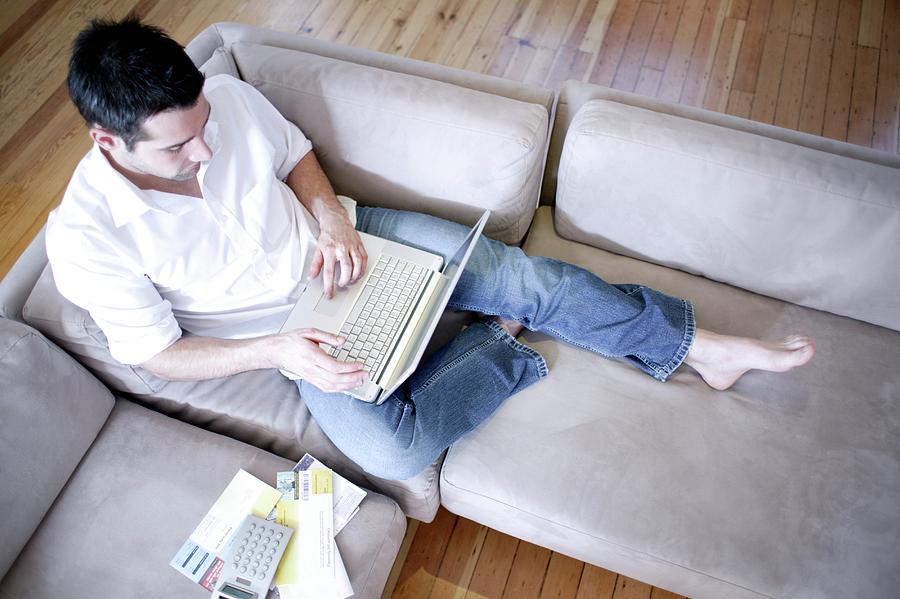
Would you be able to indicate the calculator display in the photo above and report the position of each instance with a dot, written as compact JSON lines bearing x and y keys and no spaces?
{"x":232,"y":592}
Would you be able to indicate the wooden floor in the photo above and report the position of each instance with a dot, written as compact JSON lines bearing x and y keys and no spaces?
{"x":828,"y":67}
{"x":455,"y":558}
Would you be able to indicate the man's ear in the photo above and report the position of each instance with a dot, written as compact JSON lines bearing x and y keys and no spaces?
{"x":105,"y":138}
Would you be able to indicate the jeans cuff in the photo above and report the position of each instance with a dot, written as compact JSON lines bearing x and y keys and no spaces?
{"x":663,"y":372}
{"x":517,"y":345}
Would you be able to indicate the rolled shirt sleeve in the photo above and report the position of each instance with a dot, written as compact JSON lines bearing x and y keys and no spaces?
{"x":137,"y":321}
{"x":290,"y":143}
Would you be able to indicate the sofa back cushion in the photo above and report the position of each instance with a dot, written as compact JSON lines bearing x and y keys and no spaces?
{"x":402,"y":141}
{"x":51,"y":410}
{"x":790,"y":222}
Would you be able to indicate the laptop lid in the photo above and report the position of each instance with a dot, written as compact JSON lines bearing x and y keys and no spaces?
{"x":451,"y":272}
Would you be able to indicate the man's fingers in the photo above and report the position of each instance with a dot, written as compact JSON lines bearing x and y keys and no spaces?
{"x":316,"y":266}
{"x":323,"y":360}
{"x":320,"y":336}
{"x":359,"y":265}
{"x":327,"y":363}
{"x":333,"y":382}
{"x":346,"y":269}
{"x":328,"y":272}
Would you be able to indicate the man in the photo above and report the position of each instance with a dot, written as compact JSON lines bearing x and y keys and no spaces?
{"x":201,"y":209}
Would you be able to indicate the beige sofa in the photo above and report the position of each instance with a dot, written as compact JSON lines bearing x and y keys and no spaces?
{"x":784,"y":486}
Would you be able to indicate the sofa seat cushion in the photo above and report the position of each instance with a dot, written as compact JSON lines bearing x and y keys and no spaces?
{"x":259,"y":407}
{"x":786,"y":485}
{"x":402,"y":141}
{"x":51,"y":410}
{"x":140,"y":491}
{"x":759,"y":213}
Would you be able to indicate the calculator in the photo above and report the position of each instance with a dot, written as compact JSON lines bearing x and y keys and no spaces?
{"x":251,"y":560}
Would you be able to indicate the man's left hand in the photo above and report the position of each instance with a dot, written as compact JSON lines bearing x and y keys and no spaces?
{"x":340,"y":244}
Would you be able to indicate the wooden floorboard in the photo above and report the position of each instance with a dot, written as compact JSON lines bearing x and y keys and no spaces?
{"x":827,"y":67}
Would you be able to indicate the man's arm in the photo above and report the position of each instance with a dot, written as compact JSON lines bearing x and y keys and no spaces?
{"x":200,"y":358}
{"x":339,"y":243}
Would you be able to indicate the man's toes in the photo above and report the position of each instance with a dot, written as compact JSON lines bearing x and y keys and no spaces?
{"x":795,"y":342}
{"x":807,"y":352}
{"x":799,"y":356}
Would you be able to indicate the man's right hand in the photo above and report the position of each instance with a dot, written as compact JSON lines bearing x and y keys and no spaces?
{"x":298,"y":352}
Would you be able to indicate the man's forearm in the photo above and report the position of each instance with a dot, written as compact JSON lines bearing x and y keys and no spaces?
{"x":200,"y":358}
{"x":312,"y":187}
{"x":297,"y":351}
{"x":338,"y":243}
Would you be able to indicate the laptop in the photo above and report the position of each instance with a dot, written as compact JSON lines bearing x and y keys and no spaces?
{"x":388,"y":316}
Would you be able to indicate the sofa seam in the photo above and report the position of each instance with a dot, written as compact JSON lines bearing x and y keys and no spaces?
{"x":444,"y":480}
{"x":59,"y":351}
{"x":14,"y":344}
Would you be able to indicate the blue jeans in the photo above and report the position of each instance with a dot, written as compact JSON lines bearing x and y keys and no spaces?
{"x":462,"y":384}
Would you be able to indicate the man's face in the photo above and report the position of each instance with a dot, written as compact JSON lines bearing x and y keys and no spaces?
{"x":172,"y":146}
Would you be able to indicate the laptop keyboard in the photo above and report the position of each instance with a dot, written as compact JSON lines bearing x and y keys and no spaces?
{"x":380,"y":313}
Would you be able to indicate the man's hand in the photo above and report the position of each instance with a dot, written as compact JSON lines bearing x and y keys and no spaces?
{"x":199,"y":358}
{"x":339,"y":243}
{"x":298,"y":352}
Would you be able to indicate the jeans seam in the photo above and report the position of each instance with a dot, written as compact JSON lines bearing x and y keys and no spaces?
{"x":456,"y":361}
{"x":687,"y":339}
{"x":543,"y":369}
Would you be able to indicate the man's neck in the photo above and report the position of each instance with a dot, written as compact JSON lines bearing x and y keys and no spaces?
{"x":189,"y":187}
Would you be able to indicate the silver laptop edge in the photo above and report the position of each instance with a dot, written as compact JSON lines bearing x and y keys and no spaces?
{"x":429,"y":324}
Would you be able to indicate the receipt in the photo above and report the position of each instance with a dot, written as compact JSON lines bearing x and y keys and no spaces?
{"x":311,"y":566}
{"x":346,"y":495}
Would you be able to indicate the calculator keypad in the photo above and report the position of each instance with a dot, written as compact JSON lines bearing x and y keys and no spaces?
{"x":254,"y":550}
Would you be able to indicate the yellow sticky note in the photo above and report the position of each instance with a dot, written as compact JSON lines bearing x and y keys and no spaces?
{"x":321,"y":481}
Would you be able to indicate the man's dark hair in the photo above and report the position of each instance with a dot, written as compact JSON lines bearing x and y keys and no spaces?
{"x":122,"y":72}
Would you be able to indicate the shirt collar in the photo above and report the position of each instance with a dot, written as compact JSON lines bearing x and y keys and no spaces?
{"x":126,"y":200}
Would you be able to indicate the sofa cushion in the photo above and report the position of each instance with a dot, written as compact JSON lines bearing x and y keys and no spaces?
{"x":140,"y":491}
{"x":791,"y":222}
{"x":51,"y":410}
{"x":402,"y":141}
{"x":260,"y":407}
{"x":786,"y":485}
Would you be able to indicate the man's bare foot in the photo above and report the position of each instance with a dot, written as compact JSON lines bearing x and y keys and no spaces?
{"x":513,"y":327}
{"x":721,"y":359}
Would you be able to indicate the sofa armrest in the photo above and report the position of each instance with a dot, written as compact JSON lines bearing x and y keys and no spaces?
{"x":16,"y":286}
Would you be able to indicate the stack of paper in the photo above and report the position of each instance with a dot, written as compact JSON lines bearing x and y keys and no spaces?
{"x":317,"y":504}
{"x":198,"y":558}
{"x":310,"y":499}
{"x":347,"y":496}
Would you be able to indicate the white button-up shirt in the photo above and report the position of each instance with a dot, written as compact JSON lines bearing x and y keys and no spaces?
{"x":147,"y":264}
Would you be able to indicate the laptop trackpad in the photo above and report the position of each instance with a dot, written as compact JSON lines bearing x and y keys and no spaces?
{"x":333,"y":306}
